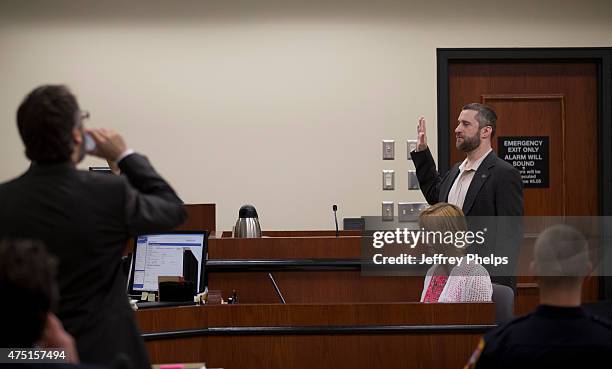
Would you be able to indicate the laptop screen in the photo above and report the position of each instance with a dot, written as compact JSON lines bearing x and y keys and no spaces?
{"x":162,"y":255}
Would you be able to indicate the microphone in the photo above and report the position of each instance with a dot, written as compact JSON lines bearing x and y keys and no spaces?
{"x":278,"y":291}
{"x":335,"y":208}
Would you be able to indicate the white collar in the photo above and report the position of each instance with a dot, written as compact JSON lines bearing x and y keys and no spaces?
{"x":476,"y":164}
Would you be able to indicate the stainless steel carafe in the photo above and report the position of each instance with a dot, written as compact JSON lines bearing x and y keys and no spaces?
{"x":247,"y":225}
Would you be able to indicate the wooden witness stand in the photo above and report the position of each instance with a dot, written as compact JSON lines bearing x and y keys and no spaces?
{"x":334,"y":317}
{"x":375,"y":335}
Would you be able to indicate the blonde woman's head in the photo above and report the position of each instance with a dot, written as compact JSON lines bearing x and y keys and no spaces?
{"x":442,"y":218}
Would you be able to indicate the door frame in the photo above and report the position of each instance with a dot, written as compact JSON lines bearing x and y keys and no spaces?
{"x":602,"y":56}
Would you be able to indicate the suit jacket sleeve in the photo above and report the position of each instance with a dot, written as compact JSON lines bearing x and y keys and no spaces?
{"x":509,"y":193}
{"x":428,"y":176}
{"x":151,"y":205}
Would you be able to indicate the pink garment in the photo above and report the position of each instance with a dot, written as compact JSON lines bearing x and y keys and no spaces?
{"x":466,"y":283}
{"x":434,"y":290}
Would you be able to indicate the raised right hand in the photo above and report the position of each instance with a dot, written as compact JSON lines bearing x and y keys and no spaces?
{"x":422,"y":135}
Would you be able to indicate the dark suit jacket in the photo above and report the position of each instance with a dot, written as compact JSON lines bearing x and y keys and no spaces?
{"x":85,"y":219}
{"x":496,"y":189}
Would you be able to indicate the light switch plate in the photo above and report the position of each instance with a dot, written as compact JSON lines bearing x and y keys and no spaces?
{"x":387,"y":211}
{"x":388,"y":150}
{"x":411,"y":146}
{"x":409,"y":211}
{"x":413,"y":181}
{"x":388,"y":180}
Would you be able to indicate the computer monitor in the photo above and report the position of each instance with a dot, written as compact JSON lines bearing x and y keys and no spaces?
{"x":162,"y":255}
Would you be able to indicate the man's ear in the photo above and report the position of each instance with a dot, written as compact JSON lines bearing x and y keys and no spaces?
{"x":77,"y":137}
{"x":486,"y":132}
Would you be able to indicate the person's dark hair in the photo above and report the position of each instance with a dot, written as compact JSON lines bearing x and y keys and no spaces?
{"x":28,"y":289}
{"x":45,"y":119}
{"x":485,"y":115}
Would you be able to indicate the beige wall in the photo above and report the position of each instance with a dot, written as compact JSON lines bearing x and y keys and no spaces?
{"x":283,"y":106}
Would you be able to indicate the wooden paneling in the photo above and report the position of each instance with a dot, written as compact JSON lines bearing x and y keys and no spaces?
{"x":320,"y":351}
{"x":310,"y":286}
{"x":287,"y":315}
{"x":317,"y":287}
{"x":543,"y":115}
{"x":200,"y":217}
{"x":285,"y":248}
{"x":417,"y":350}
{"x":528,"y":297}
{"x":336,"y":286}
{"x":315,"y":233}
{"x":555,"y":99}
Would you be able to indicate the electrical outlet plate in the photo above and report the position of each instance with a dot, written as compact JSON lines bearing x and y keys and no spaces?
{"x":411,"y":146}
{"x":413,"y":181}
{"x":388,"y":150}
{"x":387,"y":211}
{"x":388,"y":180}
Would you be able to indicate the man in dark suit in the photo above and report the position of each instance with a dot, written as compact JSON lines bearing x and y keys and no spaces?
{"x":483,"y":185}
{"x":85,"y":219}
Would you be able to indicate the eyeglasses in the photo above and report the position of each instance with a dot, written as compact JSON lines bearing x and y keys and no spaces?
{"x":81,"y":115}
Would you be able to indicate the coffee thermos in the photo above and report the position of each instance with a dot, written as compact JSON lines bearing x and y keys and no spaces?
{"x":247,"y":225}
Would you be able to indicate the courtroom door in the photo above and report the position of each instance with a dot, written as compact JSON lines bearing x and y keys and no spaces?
{"x":557,"y":98}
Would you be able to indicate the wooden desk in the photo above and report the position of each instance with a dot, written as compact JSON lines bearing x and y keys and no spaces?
{"x":334,"y":286}
{"x":331,"y":286}
{"x":388,"y":335}
{"x":308,"y":233}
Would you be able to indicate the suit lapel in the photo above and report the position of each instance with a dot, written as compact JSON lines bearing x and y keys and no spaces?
{"x":447,"y":183}
{"x":480,"y":177}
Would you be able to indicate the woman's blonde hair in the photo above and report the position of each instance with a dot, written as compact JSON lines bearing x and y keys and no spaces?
{"x":443,"y":217}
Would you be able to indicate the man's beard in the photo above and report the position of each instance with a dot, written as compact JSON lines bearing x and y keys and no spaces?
{"x":469,"y":143}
